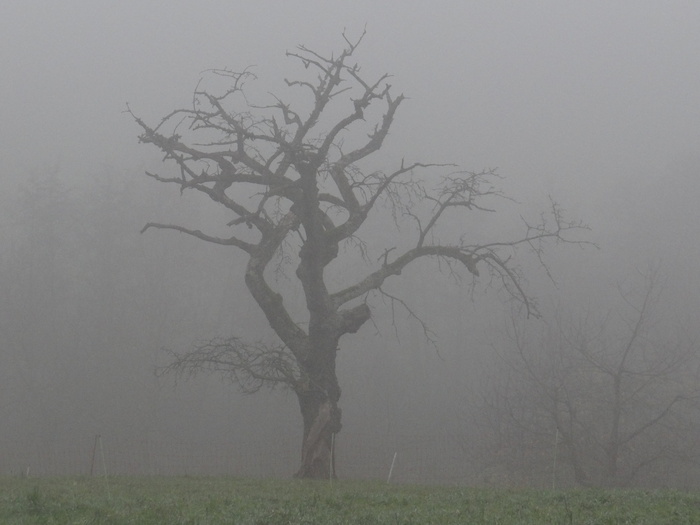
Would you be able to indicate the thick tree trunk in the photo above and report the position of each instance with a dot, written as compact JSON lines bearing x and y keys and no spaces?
{"x":318,"y":401}
{"x":321,"y":422}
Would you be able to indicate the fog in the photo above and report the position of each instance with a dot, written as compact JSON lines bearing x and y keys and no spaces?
{"x":594,"y":104}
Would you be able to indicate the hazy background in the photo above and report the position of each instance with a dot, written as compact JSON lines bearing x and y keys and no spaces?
{"x":594,"y":103}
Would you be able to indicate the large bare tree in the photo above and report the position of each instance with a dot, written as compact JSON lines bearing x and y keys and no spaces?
{"x":294,"y":180}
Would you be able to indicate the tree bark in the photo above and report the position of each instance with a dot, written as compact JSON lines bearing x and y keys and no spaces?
{"x":318,"y":400}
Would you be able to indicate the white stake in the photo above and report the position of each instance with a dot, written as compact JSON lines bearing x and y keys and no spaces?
{"x":391,"y":469}
{"x":104,"y":467}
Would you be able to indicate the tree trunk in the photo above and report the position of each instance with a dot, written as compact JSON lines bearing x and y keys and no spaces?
{"x":318,"y":400}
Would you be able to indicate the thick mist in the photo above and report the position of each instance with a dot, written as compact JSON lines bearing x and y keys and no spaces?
{"x":593,"y":104}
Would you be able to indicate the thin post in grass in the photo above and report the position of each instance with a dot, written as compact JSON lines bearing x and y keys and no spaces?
{"x":331,"y":466}
{"x":554,"y":460}
{"x":391,"y":469}
{"x":94,"y":453}
{"x":104,"y":466}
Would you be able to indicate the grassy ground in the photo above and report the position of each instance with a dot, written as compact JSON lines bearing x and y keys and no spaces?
{"x":224,"y":500}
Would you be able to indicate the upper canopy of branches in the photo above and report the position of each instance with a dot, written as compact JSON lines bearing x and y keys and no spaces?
{"x":277,"y":173}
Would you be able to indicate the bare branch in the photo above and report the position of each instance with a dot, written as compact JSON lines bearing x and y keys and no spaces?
{"x":430,"y":336}
{"x":377,"y":278}
{"x":231,"y":241}
{"x":250,"y":366}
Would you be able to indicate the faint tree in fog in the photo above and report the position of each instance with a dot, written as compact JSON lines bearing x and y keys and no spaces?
{"x":619,"y":392}
{"x":74,"y":279}
{"x":296,"y":185}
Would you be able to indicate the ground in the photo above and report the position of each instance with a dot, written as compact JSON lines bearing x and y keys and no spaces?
{"x":202,"y":501}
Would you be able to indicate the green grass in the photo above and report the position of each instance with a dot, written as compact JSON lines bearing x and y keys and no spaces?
{"x":181,"y":500}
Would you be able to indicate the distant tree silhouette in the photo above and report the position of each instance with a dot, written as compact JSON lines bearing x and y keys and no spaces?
{"x":618,"y":391}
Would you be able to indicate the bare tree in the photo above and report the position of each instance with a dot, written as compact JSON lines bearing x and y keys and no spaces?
{"x":294,"y":180}
{"x":616,"y":394}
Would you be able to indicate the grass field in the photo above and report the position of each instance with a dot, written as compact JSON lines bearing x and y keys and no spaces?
{"x":182,"y":500}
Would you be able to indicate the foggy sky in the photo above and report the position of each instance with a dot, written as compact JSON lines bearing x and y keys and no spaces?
{"x":566,"y":97}
{"x":595,"y":103}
